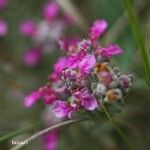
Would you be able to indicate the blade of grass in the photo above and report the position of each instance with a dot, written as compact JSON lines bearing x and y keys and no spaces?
{"x":138,"y":36}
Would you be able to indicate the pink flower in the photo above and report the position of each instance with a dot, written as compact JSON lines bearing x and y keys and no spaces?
{"x":84,"y":62}
{"x":31,"y":99}
{"x":97,"y":29}
{"x":50,"y":140}
{"x":3,"y":4}
{"x":50,"y":11}
{"x":111,"y":50}
{"x":45,"y":93}
{"x":87,"y":63}
{"x":28,"y":28}
{"x":32,"y":57}
{"x":3,"y":28}
{"x":62,"y":109}
{"x":88,"y":101}
{"x":60,"y":65}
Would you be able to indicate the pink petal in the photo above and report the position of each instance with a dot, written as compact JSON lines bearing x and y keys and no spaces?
{"x":28,"y":28}
{"x":31,"y":99}
{"x":87,"y":63}
{"x":89,"y":102}
{"x":97,"y":29}
{"x":32,"y":57}
{"x":61,"y":109}
{"x":50,"y":140}
{"x":3,"y":28}
{"x":50,"y":11}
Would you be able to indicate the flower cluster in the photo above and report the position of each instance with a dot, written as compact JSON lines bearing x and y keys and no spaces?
{"x":84,"y":78}
{"x":3,"y":23}
{"x":45,"y":33}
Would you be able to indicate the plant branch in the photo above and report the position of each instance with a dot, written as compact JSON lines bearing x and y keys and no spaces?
{"x":42,"y":132}
{"x":126,"y":140}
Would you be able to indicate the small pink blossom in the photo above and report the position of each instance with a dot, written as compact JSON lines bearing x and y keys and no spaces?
{"x":31,"y":99}
{"x":97,"y":29}
{"x":60,"y":65}
{"x":50,"y":11}
{"x":62,"y":109}
{"x":28,"y":28}
{"x":3,"y":28}
{"x":88,"y":101}
{"x":50,"y":140}
{"x":111,"y":50}
{"x":45,"y":93}
{"x":32,"y":57}
{"x":3,"y":4}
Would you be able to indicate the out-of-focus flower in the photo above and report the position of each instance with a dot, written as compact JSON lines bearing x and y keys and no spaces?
{"x":32,"y":57}
{"x":3,"y":4}
{"x":3,"y":28}
{"x":50,"y":11}
{"x":50,"y":140}
{"x":28,"y":28}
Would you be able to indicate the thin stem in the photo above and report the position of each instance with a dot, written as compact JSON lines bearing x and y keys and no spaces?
{"x":138,"y":36}
{"x":117,"y":128}
{"x":70,"y":8}
{"x":42,"y":132}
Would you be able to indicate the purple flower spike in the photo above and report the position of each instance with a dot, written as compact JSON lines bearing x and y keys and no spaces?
{"x":50,"y":11}
{"x":62,"y":109}
{"x":97,"y":29}
{"x":32,"y":57}
{"x":111,"y":50}
{"x":3,"y":4}
{"x":3,"y":28}
{"x":28,"y":28}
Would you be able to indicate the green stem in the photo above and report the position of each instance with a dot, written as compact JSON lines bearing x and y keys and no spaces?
{"x":138,"y":36}
{"x":120,"y":132}
{"x":42,"y":132}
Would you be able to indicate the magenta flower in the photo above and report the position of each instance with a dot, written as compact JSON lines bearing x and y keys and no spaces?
{"x":31,"y":99}
{"x":28,"y":28}
{"x":50,"y":140}
{"x":88,"y":101}
{"x":60,"y":65}
{"x":62,"y":109}
{"x":45,"y":93}
{"x":3,"y":28}
{"x":87,"y":63}
{"x":32,"y":57}
{"x":97,"y":29}
{"x":111,"y":50}
{"x":3,"y":4}
{"x":50,"y":11}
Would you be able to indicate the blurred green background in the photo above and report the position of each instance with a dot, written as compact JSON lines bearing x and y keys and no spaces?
{"x":16,"y":80}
